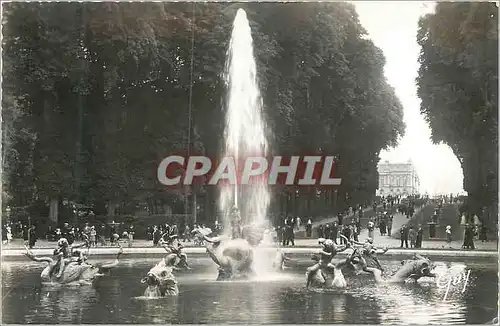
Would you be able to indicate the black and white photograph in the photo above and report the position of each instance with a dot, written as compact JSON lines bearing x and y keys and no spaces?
{"x":249,"y":162}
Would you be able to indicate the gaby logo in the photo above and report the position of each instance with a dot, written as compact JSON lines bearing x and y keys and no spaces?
{"x":451,"y":279}
{"x":294,"y":170}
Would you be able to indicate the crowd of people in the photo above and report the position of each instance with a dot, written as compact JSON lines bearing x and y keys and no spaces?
{"x":19,"y":230}
{"x":347,"y":227}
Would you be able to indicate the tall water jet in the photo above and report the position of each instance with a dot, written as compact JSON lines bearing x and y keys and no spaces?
{"x":244,"y":127}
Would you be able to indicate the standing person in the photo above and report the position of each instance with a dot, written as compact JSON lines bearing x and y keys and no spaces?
{"x":156,"y":235}
{"x":290,"y":236}
{"x":93,"y":236}
{"x":297,"y":223}
{"x":187,"y":234}
{"x":32,"y":237}
{"x":320,"y":231}
{"x":334,"y":232}
{"x":412,"y":236}
{"x":9,"y":234}
{"x":358,"y":225}
{"x":86,"y":230}
{"x":285,"y":232}
{"x":381,"y":225}
{"x":25,"y":233}
{"x":466,"y":234}
{"x":131,"y":233}
{"x":327,"y":231}
{"x":469,"y":237}
{"x":448,"y":234}
{"x":340,"y":219}
{"x":71,"y":236}
{"x":404,"y":236}
{"x":346,"y":231}
{"x":355,"y":232}
{"x":309,"y":228}
{"x":420,"y":235}
{"x":112,"y":232}
{"x":389,"y":225}
{"x":371,"y":228}
{"x":482,"y":233}
{"x":411,"y":210}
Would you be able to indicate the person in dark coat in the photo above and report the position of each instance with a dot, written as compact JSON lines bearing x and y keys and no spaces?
{"x":156,"y":235}
{"x":355,"y":232}
{"x":309,"y":228}
{"x":321,"y":234}
{"x":327,"y":231}
{"x":71,"y":237}
{"x":404,"y":236}
{"x":340,"y":218}
{"x":381,"y":225}
{"x":25,"y":232}
{"x":112,"y":231}
{"x":334,"y":233}
{"x":32,"y":237}
{"x":290,"y":236}
{"x":420,"y":235}
{"x":469,"y":237}
{"x":358,"y":226}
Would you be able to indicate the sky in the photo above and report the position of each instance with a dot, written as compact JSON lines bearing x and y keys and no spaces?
{"x":392,"y":26}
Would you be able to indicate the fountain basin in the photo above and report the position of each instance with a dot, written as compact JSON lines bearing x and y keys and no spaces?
{"x":292,"y":252}
{"x":284,"y":299}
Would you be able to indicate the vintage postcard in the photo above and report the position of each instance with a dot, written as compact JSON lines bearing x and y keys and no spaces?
{"x":249,"y":163}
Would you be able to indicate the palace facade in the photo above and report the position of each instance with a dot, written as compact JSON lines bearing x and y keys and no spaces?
{"x":397,"y":179}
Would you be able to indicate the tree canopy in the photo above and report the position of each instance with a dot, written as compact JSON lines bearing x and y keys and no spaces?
{"x":458,"y":86}
{"x":96,"y":94}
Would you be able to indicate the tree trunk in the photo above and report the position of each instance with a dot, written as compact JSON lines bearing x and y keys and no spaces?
{"x":111,"y":209}
{"x":194,"y":208}
{"x":335,"y":195}
{"x":54,"y":209}
{"x":209,"y":216}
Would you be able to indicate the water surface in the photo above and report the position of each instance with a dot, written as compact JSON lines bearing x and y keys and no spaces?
{"x":283,"y":299}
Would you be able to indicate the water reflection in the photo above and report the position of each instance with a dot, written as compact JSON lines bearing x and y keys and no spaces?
{"x":281,"y":300}
{"x":326,"y":307}
{"x":62,"y":304}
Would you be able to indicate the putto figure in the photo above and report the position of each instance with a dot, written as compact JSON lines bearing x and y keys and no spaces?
{"x":235,"y":220}
{"x":324,"y":264}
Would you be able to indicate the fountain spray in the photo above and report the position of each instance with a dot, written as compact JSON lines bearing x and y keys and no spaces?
{"x":244,"y":126}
